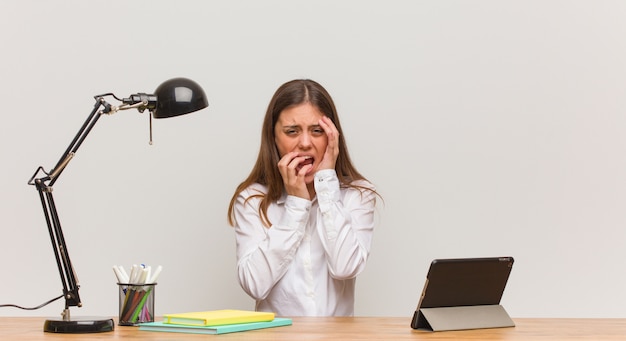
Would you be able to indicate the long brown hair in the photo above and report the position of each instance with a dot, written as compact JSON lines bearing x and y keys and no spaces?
{"x":265,"y":170}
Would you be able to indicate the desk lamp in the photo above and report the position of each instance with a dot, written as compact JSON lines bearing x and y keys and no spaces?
{"x":173,"y":97}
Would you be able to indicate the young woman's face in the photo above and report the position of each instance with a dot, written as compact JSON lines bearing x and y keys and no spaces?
{"x":298,"y":130}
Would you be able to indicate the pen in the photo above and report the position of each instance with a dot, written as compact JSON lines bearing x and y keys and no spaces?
{"x":124,"y":274}
{"x":156,"y":274}
{"x":121,"y":276}
{"x":118,"y":274}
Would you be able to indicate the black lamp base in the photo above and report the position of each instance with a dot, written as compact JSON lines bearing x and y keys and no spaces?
{"x":78,"y":326}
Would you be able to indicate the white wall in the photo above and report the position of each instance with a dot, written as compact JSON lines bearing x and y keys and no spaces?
{"x":490,"y":127}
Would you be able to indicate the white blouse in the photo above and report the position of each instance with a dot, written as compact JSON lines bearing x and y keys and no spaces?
{"x":306,"y":263}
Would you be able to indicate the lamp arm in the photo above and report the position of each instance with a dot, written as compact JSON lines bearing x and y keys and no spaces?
{"x":79,"y":138}
{"x":44,"y":187}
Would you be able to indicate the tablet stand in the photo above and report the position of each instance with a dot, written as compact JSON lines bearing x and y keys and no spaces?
{"x":462,"y":317}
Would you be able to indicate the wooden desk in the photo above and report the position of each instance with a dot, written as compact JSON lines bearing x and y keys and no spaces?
{"x":346,"y":328}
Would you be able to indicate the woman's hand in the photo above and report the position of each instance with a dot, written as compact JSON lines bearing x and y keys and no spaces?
{"x":332,"y":148}
{"x":293,"y":177}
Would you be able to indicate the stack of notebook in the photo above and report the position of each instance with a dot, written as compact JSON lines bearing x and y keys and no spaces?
{"x":215,"y":322}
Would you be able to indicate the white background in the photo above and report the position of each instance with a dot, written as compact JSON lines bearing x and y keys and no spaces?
{"x":491,"y":128}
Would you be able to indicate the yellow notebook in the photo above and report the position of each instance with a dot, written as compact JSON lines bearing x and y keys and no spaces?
{"x":218,"y":317}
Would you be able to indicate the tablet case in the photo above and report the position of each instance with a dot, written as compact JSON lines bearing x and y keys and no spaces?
{"x":464,"y":293}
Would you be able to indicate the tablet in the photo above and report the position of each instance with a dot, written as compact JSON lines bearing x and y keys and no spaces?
{"x":464,"y":282}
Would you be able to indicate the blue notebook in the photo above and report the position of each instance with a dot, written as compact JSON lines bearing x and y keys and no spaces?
{"x":160,"y":326}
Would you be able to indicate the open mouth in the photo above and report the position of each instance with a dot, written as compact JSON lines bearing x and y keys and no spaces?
{"x":308,"y":160}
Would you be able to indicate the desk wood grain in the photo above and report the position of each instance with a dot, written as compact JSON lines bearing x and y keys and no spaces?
{"x":346,"y":328}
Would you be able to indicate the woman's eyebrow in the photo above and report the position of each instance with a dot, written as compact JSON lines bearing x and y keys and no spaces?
{"x":298,"y":126}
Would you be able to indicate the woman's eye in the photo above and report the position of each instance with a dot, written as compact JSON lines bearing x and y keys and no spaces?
{"x":318,"y":131}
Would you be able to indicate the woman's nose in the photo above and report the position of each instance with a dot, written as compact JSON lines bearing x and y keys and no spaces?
{"x":304,"y":141}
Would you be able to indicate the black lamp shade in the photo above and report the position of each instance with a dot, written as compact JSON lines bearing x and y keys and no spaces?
{"x":179,"y":96}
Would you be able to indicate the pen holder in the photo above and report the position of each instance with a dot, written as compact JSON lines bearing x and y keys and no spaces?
{"x":136,"y":303}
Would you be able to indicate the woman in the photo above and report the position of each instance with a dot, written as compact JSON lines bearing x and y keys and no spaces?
{"x":304,"y":217}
